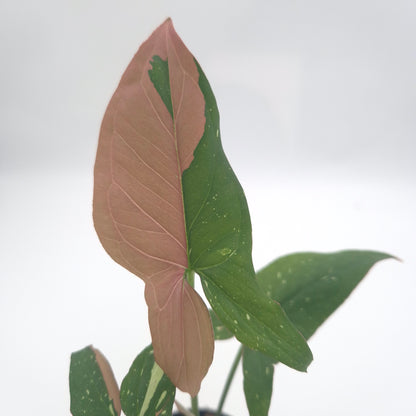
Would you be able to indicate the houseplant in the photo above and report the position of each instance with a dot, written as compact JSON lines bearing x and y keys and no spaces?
{"x":167,"y":206}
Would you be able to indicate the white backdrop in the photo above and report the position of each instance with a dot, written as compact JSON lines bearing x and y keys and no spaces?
{"x":317,"y":103}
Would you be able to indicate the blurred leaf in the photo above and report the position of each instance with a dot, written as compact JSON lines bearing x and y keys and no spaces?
{"x":146,"y":390}
{"x":93,"y":388}
{"x":311,"y":286}
{"x":258,"y":372}
{"x":309,"y":295}
{"x":220,"y":330}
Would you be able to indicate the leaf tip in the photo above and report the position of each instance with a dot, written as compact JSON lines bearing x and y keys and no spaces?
{"x":109,"y":378}
{"x":304,"y":365}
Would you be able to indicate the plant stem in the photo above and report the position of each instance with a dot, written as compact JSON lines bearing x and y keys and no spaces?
{"x":195,"y":407}
{"x":229,"y":380}
{"x":182,"y":409}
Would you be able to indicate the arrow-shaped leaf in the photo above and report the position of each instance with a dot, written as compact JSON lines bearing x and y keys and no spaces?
{"x":167,"y":203}
{"x":93,"y":388}
{"x":146,"y":390}
{"x":147,"y":140}
{"x":310,"y":287}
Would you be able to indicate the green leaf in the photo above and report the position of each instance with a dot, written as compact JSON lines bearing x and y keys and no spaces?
{"x":221,"y":332}
{"x":219,"y":236}
{"x":258,"y":372}
{"x":94,"y":391}
{"x":146,"y":390}
{"x":310,"y":287}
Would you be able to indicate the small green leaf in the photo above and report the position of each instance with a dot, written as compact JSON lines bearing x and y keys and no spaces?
{"x":311,"y":286}
{"x":146,"y":390}
{"x":94,"y":391}
{"x":258,"y":372}
{"x":220,"y":330}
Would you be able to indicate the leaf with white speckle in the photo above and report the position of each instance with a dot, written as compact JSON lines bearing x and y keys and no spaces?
{"x":220,"y":330}
{"x":219,"y":232}
{"x":258,"y":372}
{"x":310,"y":287}
{"x":93,"y":388}
{"x":146,"y":390}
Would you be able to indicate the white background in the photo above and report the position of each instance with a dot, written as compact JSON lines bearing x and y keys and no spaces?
{"x":317,"y":102}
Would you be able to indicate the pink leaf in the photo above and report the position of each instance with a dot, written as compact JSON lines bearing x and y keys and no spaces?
{"x":138,"y":200}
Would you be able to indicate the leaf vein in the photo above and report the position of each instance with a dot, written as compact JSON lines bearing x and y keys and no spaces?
{"x":145,"y":163}
{"x":147,"y":214}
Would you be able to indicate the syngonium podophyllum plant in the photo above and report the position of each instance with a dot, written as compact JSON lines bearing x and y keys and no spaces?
{"x":167,"y":206}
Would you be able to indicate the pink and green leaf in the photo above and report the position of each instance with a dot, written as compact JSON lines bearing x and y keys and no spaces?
{"x":93,"y":387}
{"x":166,"y":202}
{"x":144,"y":147}
{"x":146,"y":390}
